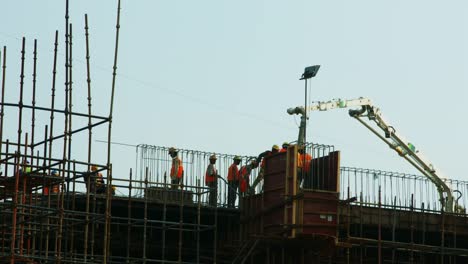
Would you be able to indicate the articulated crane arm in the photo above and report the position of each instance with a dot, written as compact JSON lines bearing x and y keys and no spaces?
{"x":404,"y":148}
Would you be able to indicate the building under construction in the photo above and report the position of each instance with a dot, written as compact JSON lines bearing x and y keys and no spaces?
{"x":52,"y":212}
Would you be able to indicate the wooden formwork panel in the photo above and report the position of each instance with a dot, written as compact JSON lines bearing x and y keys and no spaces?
{"x":286,"y":210}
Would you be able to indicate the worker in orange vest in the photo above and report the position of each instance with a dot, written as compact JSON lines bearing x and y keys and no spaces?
{"x":244,"y":176}
{"x":177,"y":169}
{"x":56,"y":187}
{"x":304,"y":160}
{"x":233,"y":181}
{"x":261,"y":173}
{"x":211,"y":180}
{"x":284,"y":147}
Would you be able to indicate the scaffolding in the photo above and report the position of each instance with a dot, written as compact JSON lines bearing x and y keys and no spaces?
{"x":41,"y":216}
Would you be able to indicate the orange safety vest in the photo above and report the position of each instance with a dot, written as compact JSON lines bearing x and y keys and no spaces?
{"x":56,"y":188}
{"x":233,"y":173}
{"x":283,"y":150}
{"x":210,"y":177}
{"x":300,"y":160}
{"x":177,"y":162}
{"x":243,"y":179}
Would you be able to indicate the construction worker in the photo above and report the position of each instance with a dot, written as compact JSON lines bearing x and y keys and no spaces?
{"x":25,"y":168}
{"x":233,"y":181}
{"x":261,"y":173}
{"x":284,"y":147}
{"x":211,"y":180}
{"x":177,"y":169}
{"x":304,"y":160}
{"x":55,"y":187}
{"x":244,"y":176}
{"x":100,"y":187}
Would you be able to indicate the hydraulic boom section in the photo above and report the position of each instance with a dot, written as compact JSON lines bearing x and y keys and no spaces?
{"x":389,"y":135}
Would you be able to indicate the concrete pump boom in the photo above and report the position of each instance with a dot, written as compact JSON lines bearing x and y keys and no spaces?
{"x":396,"y":142}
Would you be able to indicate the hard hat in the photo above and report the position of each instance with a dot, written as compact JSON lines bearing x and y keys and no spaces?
{"x":93,"y":168}
{"x":213,"y":157}
{"x":172,"y":150}
{"x":275,"y":147}
{"x":285,"y":144}
{"x":237,"y":158}
{"x":54,"y":172}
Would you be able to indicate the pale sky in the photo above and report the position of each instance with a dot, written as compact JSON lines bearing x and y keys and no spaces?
{"x":219,"y":75}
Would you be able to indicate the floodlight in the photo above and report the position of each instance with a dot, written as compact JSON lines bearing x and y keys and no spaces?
{"x":310,"y":72}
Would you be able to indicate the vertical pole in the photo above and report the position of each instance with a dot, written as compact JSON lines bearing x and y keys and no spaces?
{"x":73,"y":209}
{"x":181,"y":221}
{"x":412,"y":228}
{"x":380,"y":226}
{"x":18,"y":157}
{"x":348,"y":224}
{"x":109,"y":140}
{"x":394,"y":226}
{"x":145,"y":219}
{"x":33,"y":116}
{"x":165,"y":194}
{"x":88,"y":80}
{"x":5,"y":195}
{"x":23,"y":196}
{"x":305,"y":138}
{"x":42,"y":226}
{"x":129,"y":214}
{"x":442,"y":236}
{"x":2,"y":113}
{"x":58,"y":248}
{"x":360,"y":225}
{"x":69,"y":129}
{"x":423,"y":239}
{"x":215,"y":238}
{"x":52,"y":107}
{"x":305,"y":115}
{"x":1,"y":138}
{"x":33,"y":119}
{"x":198,"y":219}
{"x":14,"y":210}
